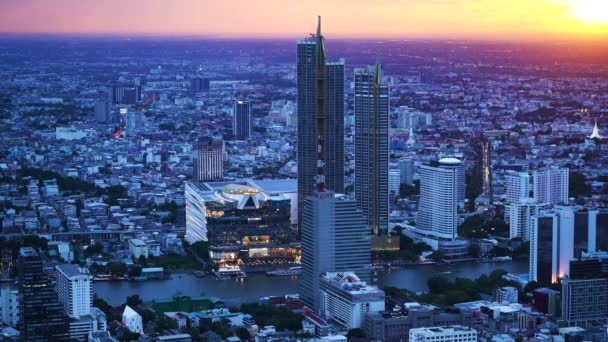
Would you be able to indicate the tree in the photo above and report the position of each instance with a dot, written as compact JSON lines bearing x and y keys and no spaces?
{"x":474,"y":251}
{"x":437,"y":256}
{"x":222,"y":328}
{"x":355,"y":333}
{"x":438,"y":284}
{"x":531,"y":286}
{"x":117,"y":269}
{"x":129,"y":336}
{"x":201,"y":249}
{"x":93,"y":249}
{"x":243,"y":333}
{"x":142,"y":260}
{"x":102,"y":305}
{"x":409,"y":190}
{"x":578,"y":186}
{"x":134,"y":301}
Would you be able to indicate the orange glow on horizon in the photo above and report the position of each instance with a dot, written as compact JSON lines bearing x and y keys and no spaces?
{"x":450,"y":19}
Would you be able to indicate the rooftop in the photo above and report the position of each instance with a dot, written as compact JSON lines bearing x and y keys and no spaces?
{"x":72,"y":270}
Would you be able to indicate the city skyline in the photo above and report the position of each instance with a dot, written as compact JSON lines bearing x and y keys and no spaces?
{"x":439,"y":19}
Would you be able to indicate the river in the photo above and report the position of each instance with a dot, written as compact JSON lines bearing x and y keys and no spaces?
{"x":235,"y":291}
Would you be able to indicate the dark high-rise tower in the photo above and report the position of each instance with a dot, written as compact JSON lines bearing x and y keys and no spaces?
{"x":207,"y":160}
{"x":241,"y":120}
{"x":371,"y":146}
{"x":320,"y":107}
{"x":41,"y":314}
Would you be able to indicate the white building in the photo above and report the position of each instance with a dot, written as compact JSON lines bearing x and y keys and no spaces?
{"x":443,"y":334}
{"x":95,"y":321}
{"x":459,"y":166}
{"x":138,"y":248}
{"x":507,"y":295}
{"x":64,"y":249}
{"x":394,"y":180}
{"x":345,"y":299}
{"x":9,"y":302}
{"x":551,"y":185}
{"x":132,"y":320}
{"x":520,"y":217}
{"x":438,"y":205}
{"x":74,"y":288}
{"x":518,"y":187}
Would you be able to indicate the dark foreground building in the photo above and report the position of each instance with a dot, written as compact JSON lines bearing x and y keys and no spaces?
{"x":42,"y":317}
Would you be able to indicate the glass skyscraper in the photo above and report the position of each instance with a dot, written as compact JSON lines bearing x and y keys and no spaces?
{"x":241,"y":120}
{"x":371,"y":146}
{"x":42,"y":317}
{"x":320,"y":107}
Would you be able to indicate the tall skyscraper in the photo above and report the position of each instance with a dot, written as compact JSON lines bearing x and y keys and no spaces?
{"x":320,"y":107}
{"x":200,"y":85}
{"x":103,"y":111}
{"x":585,"y":291}
{"x":459,"y":166}
{"x":438,"y":204}
{"x":551,"y":185}
{"x":122,"y":93}
{"x":207,"y":159}
{"x":75,"y":289}
{"x":371,"y":146}
{"x":486,"y":168}
{"x":241,"y":120}
{"x":518,"y":186}
{"x":335,"y":238}
{"x":42,"y":317}
{"x":557,"y":235}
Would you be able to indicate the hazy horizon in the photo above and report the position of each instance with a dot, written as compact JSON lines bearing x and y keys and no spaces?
{"x":493,"y":20}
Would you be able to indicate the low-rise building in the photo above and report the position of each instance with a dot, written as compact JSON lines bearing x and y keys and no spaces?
{"x":443,"y":334}
{"x":345,"y":299}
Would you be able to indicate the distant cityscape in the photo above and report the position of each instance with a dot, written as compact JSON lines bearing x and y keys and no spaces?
{"x":319,"y":190}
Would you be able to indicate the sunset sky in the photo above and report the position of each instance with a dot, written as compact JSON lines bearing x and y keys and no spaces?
{"x":460,"y":19}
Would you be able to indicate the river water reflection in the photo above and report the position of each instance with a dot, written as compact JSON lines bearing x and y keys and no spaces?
{"x":236,"y":291}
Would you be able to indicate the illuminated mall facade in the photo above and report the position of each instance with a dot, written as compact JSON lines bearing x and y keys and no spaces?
{"x":245,"y":223}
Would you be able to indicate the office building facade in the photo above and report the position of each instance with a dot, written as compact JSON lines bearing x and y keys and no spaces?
{"x":42,"y":317}
{"x":371,"y":146}
{"x":207,"y":160}
{"x":561,"y":234}
{"x":551,"y":185}
{"x":9,"y":306}
{"x":241,"y":120}
{"x":320,"y":108}
{"x":126,"y":94}
{"x":334,"y":238}
{"x":200,"y":85}
{"x":585,"y":291}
